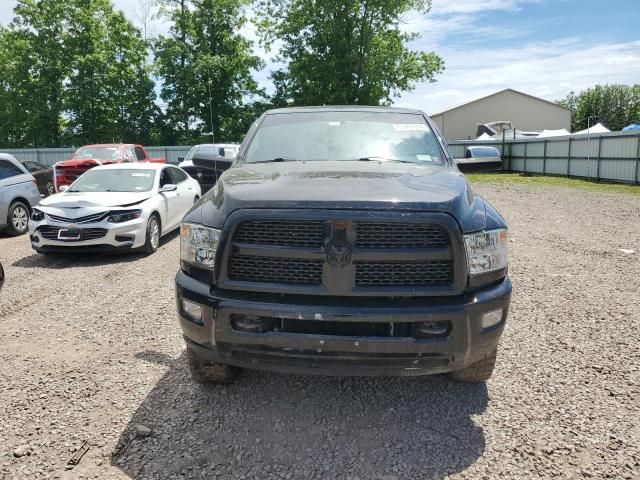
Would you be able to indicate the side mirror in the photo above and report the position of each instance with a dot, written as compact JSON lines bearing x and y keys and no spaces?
{"x":63,"y":188}
{"x":169,"y":187}
{"x":180,"y":159}
{"x":212,"y":162}
{"x":477,"y":165}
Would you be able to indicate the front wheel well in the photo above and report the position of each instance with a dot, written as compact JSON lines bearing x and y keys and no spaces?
{"x":21,"y":200}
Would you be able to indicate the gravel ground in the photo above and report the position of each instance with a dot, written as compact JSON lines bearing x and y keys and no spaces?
{"x":91,"y":350}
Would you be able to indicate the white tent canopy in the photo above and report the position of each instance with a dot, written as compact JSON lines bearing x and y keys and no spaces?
{"x":484,"y":137}
{"x":553,"y":133}
{"x":597,"y":128}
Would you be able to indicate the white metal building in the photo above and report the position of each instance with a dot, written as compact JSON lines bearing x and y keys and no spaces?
{"x":525,"y":112}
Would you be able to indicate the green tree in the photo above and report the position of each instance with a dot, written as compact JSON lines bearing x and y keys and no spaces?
{"x":33,"y":68}
{"x":344,"y":51}
{"x":206,"y":68}
{"x":615,"y":106}
{"x":110,"y":96}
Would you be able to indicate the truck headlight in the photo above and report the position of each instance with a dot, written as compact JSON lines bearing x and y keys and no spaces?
{"x":486,"y":251}
{"x":198,"y":245}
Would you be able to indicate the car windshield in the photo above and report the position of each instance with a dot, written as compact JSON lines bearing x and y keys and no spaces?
{"x":479,"y":152}
{"x":100,"y":153}
{"x":121,"y":180}
{"x":348,"y":135}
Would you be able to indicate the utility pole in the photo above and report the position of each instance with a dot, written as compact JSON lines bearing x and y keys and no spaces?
{"x":213,"y":138}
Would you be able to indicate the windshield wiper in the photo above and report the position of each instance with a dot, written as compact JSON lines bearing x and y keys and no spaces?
{"x":277,"y":159}
{"x":383,"y":159}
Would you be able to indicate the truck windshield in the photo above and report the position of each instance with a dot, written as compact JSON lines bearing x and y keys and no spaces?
{"x":99,"y":153}
{"x":345,"y":135}
{"x":121,"y":180}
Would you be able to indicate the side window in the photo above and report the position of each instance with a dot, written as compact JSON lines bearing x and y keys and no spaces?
{"x":165,"y":178}
{"x":140,"y":154}
{"x":8,"y":169}
{"x":31,"y":166}
{"x":178,"y":175}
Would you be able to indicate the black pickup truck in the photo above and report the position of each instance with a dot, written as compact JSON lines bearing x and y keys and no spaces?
{"x":343,"y":241}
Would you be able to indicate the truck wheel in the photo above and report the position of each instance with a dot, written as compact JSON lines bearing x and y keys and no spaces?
{"x":51,"y":189}
{"x":17,"y":219}
{"x":203,"y":371}
{"x":152,"y":241}
{"x":478,"y":371}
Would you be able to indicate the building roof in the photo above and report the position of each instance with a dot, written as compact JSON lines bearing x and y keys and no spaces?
{"x":498,"y":93}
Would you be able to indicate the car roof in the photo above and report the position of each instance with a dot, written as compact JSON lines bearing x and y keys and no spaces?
{"x":133,"y":166}
{"x":106,"y":145}
{"x":344,"y":108}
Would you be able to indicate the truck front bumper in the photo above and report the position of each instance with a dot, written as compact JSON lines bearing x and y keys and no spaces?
{"x":214,"y":335}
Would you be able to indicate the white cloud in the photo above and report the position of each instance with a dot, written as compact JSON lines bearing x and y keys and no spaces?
{"x":547,"y":69}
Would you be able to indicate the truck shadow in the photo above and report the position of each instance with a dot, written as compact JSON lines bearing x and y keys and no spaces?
{"x":284,"y":426}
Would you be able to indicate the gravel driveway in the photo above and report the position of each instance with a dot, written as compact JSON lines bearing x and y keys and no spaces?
{"x":91,"y":350}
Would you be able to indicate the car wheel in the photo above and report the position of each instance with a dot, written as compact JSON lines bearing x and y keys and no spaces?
{"x":478,"y":371}
{"x":152,"y":241}
{"x":18,"y":219}
{"x":51,"y":189}
{"x":203,"y":371}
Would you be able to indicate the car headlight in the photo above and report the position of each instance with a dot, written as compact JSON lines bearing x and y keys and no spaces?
{"x":486,"y":251}
{"x":37,"y":215}
{"x":123,"y":216}
{"x":198,"y":245}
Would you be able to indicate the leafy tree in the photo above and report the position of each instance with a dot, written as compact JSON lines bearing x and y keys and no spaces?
{"x":206,"y":67}
{"x":33,"y":69}
{"x":615,"y":106}
{"x":344,"y":51}
{"x":110,"y":95}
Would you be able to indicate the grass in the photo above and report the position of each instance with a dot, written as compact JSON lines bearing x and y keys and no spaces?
{"x":518,"y":179}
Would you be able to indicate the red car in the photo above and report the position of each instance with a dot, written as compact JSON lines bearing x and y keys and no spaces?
{"x":89,"y":156}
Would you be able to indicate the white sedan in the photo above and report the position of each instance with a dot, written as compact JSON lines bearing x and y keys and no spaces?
{"x":114,"y":207}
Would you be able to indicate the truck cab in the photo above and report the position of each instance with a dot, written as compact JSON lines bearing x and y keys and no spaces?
{"x":89,"y":156}
{"x":342,"y":241}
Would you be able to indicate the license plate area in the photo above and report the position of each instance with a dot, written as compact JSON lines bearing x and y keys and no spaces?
{"x":70,"y":234}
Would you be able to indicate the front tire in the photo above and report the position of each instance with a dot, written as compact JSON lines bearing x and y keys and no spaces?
{"x":18,"y":219}
{"x":152,"y":241}
{"x":203,"y":371}
{"x":479,"y":371}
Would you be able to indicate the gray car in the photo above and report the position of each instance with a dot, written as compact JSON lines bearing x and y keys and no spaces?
{"x":18,"y":195}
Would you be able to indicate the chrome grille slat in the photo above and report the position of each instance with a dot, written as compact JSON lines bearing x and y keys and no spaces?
{"x":51,"y":233}
{"x":97,"y":217}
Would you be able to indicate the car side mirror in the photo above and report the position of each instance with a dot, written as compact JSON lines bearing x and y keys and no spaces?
{"x":212,"y":162}
{"x":63,"y":188}
{"x":477,"y":165}
{"x":169,"y":187}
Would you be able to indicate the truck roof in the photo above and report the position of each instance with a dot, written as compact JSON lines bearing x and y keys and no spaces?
{"x":344,"y":108}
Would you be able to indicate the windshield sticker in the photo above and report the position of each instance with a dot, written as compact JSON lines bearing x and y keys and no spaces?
{"x":410,"y":127}
{"x":424,"y":158}
{"x":141,"y":174}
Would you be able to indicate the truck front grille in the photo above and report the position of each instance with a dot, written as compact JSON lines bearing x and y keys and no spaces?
{"x":343,"y":255}
{"x":290,"y":271}
{"x":400,"y":235}
{"x":437,"y":272}
{"x":283,"y":234}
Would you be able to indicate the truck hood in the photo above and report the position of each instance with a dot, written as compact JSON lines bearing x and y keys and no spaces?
{"x":85,"y":162}
{"x":342,"y":185}
{"x":73,"y":200}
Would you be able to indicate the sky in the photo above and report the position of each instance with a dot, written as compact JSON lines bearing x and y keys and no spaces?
{"x":545,"y":48}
